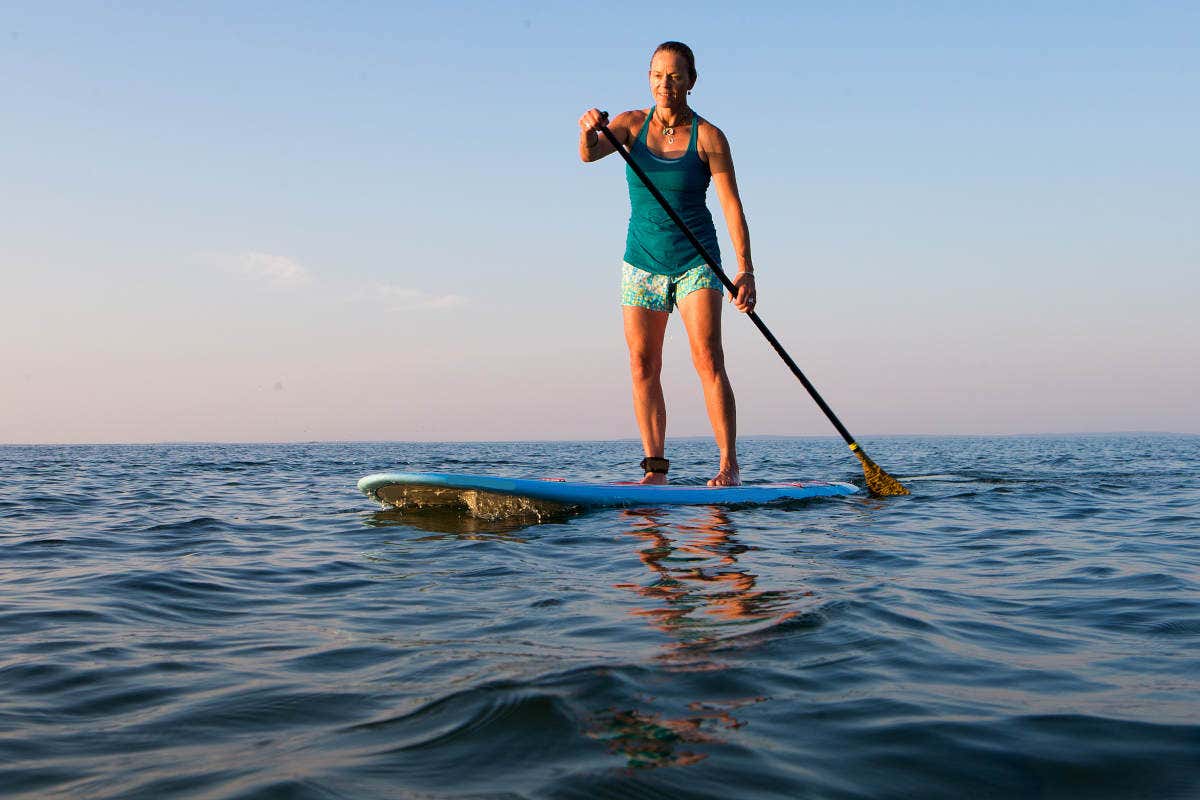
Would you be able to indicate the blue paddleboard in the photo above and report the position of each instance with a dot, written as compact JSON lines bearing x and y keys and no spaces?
{"x":443,"y":488}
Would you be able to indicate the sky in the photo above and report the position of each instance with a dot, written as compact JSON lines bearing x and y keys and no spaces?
{"x":302,"y":221}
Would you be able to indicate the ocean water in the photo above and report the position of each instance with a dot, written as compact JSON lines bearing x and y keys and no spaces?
{"x":236,"y":621}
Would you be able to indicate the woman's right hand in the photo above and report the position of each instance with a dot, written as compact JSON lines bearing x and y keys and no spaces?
{"x":591,"y":120}
{"x":591,"y":145}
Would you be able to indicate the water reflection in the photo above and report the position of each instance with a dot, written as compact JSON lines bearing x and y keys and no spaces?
{"x":448,"y":524}
{"x":648,"y":740}
{"x":701,"y":594}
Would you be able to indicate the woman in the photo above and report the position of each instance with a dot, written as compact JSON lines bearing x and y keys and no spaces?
{"x":681,"y":153}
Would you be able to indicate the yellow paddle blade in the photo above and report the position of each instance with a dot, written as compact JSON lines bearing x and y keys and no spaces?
{"x":879,"y":482}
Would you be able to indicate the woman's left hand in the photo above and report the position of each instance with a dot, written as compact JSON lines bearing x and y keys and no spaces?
{"x":747,"y":294}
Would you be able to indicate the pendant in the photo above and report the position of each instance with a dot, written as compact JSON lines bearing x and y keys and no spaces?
{"x":670,"y":134}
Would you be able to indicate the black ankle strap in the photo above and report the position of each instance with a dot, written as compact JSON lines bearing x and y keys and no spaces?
{"x":658,"y":465}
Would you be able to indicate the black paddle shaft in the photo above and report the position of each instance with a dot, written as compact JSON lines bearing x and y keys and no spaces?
{"x":712,"y":263}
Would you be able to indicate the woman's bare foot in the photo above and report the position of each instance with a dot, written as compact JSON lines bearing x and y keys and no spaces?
{"x":727,"y":476}
{"x":654,"y":479}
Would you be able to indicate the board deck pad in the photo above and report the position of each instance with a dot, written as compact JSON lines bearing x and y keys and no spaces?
{"x":493,"y":497}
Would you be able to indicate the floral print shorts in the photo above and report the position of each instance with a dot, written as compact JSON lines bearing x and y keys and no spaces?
{"x":662,"y":292}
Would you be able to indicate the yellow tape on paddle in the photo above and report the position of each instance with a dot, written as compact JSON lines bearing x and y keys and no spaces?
{"x":878,"y":481}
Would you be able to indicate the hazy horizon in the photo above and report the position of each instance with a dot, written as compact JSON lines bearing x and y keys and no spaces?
{"x":695,"y":437}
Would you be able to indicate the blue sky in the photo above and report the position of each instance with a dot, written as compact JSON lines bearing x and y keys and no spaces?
{"x":287,"y":221}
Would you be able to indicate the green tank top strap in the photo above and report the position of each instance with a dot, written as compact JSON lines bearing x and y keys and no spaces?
{"x":641,"y":137}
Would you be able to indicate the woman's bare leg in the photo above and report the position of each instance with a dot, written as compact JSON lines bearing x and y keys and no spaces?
{"x":644,"y":332}
{"x":701,"y":312}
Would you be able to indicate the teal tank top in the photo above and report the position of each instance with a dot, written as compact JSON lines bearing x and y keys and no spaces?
{"x":654,"y":242}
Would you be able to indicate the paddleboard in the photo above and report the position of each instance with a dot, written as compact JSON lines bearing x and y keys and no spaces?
{"x":485,"y":495}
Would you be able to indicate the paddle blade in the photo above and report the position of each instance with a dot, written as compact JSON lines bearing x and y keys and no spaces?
{"x":878,"y":481}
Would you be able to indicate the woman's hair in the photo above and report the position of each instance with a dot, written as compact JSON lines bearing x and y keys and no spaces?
{"x":679,"y":49}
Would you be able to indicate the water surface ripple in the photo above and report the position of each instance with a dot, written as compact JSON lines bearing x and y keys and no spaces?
{"x":235,"y":621}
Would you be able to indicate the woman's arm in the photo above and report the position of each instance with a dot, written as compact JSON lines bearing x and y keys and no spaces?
{"x":714,"y":148}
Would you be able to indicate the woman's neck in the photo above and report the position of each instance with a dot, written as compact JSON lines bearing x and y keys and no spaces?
{"x":673,"y":115}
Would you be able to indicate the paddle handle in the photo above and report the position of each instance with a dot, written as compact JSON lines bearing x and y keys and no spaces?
{"x":715,"y":266}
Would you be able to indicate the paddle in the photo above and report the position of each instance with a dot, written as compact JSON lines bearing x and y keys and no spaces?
{"x":878,"y":481}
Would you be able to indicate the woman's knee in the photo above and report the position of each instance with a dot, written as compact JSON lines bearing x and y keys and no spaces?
{"x":709,"y":360}
{"x":645,"y":367}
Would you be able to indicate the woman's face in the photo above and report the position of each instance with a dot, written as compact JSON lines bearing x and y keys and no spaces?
{"x":669,"y":81}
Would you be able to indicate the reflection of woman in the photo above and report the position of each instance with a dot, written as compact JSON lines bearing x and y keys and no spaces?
{"x":698,"y":586}
{"x":681,"y":153}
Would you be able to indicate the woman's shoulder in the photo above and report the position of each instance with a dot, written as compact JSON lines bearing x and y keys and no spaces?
{"x":628,"y":124}
{"x":711,"y":144}
{"x":709,"y":135}
{"x":638,"y":114}
{"x":633,"y":118}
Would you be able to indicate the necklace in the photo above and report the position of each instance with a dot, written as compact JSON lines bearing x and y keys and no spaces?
{"x":669,"y":130}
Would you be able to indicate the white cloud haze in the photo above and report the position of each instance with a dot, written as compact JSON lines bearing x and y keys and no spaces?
{"x":274,"y":270}
{"x":403,"y":299}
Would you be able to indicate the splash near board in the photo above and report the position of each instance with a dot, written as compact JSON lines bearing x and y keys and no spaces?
{"x":492,"y":497}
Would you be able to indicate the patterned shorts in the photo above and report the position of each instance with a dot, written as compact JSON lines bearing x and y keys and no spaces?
{"x":662,"y":292}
